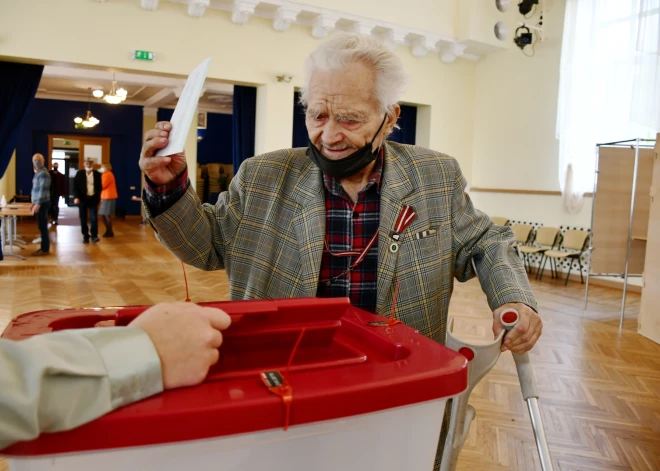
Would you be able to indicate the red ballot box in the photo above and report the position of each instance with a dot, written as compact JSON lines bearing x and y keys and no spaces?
{"x":360,"y":393}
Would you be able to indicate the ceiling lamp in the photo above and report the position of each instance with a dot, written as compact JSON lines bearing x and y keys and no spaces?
{"x":89,"y":121}
{"x":115,"y":96}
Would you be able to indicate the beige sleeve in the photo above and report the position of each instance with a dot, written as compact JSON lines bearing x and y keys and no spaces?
{"x":59,"y":381}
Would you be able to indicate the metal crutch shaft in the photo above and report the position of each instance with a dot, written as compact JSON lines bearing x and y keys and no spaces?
{"x":509,"y":319}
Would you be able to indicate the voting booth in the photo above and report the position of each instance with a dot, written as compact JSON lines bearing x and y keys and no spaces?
{"x":301,"y":384}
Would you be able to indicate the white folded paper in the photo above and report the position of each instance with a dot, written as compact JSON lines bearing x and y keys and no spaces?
{"x":185,"y":110}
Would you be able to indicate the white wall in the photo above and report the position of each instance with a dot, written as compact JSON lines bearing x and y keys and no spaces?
{"x":532,"y":208}
{"x":514,"y":128}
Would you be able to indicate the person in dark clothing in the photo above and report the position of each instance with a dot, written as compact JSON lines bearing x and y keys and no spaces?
{"x":57,"y":190}
{"x":87,"y":193}
{"x":40,"y":200}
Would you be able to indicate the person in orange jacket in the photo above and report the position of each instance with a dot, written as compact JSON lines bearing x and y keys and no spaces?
{"x":108,"y":198}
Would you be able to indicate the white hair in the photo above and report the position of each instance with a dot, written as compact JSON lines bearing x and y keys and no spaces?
{"x":343,"y":49}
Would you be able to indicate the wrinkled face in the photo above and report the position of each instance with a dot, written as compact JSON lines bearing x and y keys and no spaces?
{"x":343,"y":113}
{"x":88,"y":165}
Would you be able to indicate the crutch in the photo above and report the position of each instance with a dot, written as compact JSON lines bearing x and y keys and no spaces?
{"x":482,"y":358}
{"x":509,"y":319}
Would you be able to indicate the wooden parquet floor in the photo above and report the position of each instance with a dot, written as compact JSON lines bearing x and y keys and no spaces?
{"x":600,"y":388}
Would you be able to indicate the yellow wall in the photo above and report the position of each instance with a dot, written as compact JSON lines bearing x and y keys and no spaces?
{"x":8,"y":180}
{"x":250,"y":54}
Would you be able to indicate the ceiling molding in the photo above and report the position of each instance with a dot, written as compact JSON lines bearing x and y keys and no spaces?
{"x":323,"y":24}
{"x":218,"y":95}
{"x":197,"y":8}
{"x":285,"y":16}
{"x":162,"y":97}
{"x":241,"y":10}
{"x":149,"y":4}
{"x":126,"y":78}
{"x":219,"y":108}
{"x":284,"y":13}
{"x":66,"y":96}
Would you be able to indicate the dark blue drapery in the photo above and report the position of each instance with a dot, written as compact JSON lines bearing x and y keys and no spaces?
{"x":18,"y":86}
{"x":300,"y":137}
{"x":243,"y":124}
{"x":408,"y":124}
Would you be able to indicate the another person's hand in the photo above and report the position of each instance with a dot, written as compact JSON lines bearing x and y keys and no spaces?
{"x":160,"y":169}
{"x":524,"y":335}
{"x":35,"y":208}
{"x":76,"y":201}
{"x":186,"y":337}
{"x":109,"y":323}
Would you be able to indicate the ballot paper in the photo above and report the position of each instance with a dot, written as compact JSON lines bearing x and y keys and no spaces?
{"x":185,"y":110}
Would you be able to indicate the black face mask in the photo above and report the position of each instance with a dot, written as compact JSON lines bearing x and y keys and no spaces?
{"x":349,"y":165}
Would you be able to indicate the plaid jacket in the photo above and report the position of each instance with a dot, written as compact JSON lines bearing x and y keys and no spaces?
{"x":40,"y":187}
{"x":268,"y":229}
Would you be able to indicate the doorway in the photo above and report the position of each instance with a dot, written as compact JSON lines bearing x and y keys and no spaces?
{"x":71,"y":151}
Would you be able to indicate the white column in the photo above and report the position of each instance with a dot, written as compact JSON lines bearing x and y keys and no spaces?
{"x":149,"y":120}
{"x":191,"y":152}
{"x":274,"y":120}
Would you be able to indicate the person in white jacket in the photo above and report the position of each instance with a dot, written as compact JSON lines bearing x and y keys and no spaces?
{"x":61,"y":380}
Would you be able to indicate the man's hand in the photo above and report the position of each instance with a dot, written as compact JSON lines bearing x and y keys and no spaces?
{"x":524,"y":335}
{"x":163,"y":169}
{"x":76,"y":201}
{"x":35,"y":208}
{"x":186,"y":337}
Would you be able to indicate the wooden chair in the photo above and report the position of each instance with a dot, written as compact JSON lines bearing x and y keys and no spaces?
{"x":546,"y":239}
{"x":572,"y":247}
{"x":523,"y":233}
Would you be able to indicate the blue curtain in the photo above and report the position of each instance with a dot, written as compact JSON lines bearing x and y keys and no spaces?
{"x":300,"y":137}
{"x":164,"y":114}
{"x":243,"y":124}
{"x":408,"y":124}
{"x":18,"y":85}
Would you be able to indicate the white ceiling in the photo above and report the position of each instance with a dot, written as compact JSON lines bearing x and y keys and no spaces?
{"x":150,"y":91}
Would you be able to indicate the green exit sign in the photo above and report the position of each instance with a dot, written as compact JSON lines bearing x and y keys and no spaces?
{"x":143,"y":55}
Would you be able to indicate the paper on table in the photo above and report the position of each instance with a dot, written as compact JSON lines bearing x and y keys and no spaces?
{"x":185,"y":110}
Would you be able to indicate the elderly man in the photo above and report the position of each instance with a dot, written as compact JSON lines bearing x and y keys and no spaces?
{"x":41,"y":201}
{"x":87,"y":189}
{"x":352,"y":215}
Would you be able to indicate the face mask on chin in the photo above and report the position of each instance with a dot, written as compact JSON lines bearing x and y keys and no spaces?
{"x":349,"y":165}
